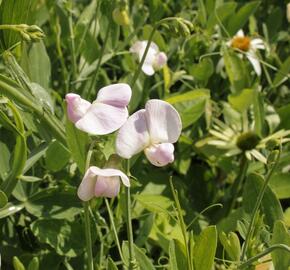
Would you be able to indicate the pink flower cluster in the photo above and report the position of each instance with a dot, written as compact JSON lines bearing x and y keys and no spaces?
{"x":152,"y":130}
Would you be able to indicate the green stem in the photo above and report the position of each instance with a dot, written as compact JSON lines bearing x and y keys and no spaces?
{"x":256,"y":208}
{"x":132,"y":260}
{"x":181,"y":223}
{"x":88,"y":236}
{"x":86,"y":206}
{"x":114,"y":230}
{"x":263,"y":253}
{"x":72,"y":43}
{"x":137,"y":72}
{"x":12,"y":27}
{"x":99,"y":60}
{"x":238,"y":183}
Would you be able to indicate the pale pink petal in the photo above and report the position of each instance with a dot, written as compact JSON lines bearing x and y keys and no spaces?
{"x":160,"y":154}
{"x":240,"y":33}
{"x":102,"y":119}
{"x":76,"y":107}
{"x":107,"y":186}
{"x":86,"y":189}
{"x":163,"y":121}
{"x":118,"y":95}
{"x":150,"y":59}
{"x":160,"y":60}
{"x":107,"y":172}
{"x":133,"y":136}
{"x":148,"y":69}
{"x":255,"y":63}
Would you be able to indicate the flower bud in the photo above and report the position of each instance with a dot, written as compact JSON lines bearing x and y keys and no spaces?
{"x":120,"y":16}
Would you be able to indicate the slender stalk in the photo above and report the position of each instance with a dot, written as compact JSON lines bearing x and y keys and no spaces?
{"x":132,"y":260}
{"x":182,"y":224}
{"x":72,"y":43}
{"x":114,"y":230}
{"x":263,"y":253}
{"x":86,"y":206}
{"x":9,"y":27}
{"x":100,"y":59}
{"x":256,"y":208}
{"x":137,"y":72}
{"x":88,"y":236}
{"x":238,"y":183}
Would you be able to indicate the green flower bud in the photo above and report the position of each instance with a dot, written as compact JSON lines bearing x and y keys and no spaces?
{"x":120,"y":16}
{"x":248,"y":141}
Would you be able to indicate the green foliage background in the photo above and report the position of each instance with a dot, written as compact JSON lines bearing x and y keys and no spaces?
{"x":41,"y":223}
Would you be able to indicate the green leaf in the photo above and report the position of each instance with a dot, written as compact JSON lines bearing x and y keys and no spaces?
{"x":203,"y":70}
{"x":282,"y":73}
{"x":241,"y":101}
{"x":231,"y":244}
{"x":65,"y":237}
{"x":77,"y":142}
{"x":204,"y":249}
{"x":236,"y":70}
{"x":17,"y":264}
{"x":4,"y":160}
{"x":143,"y":261}
{"x":154,"y":203}
{"x":56,"y":157}
{"x":238,"y":20}
{"x":190,"y":105}
{"x":36,"y":64}
{"x":270,"y":205}
{"x":3,"y":199}
{"x":15,"y":12}
{"x":10,"y":209}
{"x":284,"y":113}
{"x":177,"y":257}
{"x":280,"y":185}
{"x":220,"y":14}
{"x":259,"y":113}
{"x":54,"y":203}
{"x":281,"y":258}
{"x":111,"y":264}
{"x":34,"y":264}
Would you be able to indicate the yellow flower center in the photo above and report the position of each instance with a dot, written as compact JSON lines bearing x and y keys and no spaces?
{"x":241,"y":43}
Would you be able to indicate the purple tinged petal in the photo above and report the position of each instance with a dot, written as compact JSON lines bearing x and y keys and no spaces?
{"x":117,"y":95}
{"x":163,"y":121}
{"x":102,"y":119}
{"x":160,"y":154}
{"x":76,"y":107}
{"x":160,"y":60}
{"x":107,"y":186}
{"x":101,"y":183}
{"x":87,"y":186}
{"x":133,"y":136}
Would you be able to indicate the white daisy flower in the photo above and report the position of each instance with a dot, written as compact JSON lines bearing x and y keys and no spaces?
{"x":250,"y":47}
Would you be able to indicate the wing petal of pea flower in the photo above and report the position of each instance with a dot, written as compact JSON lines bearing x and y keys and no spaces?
{"x":154,"y":130}
{"x":154,"y":59}
{"x":250,"y":47}
{"x":101,"y":183}
{"x":105,"y":115}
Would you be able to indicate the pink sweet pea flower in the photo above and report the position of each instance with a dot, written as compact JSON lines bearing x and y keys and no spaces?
{"x":154,"y":130}
{"x":101,"y":183}
{"x":154,"y":59}
{"x":105,"y":115}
